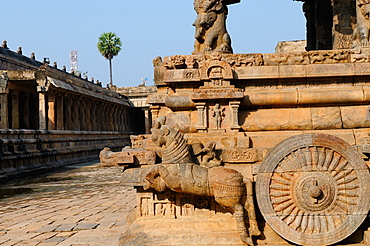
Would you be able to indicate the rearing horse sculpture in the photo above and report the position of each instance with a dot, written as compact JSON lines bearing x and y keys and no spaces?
{"x":178,"y":173}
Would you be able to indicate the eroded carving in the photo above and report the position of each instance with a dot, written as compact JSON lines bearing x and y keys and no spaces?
{"x":361,"y":32}
{"x":218,"y":114}
{"x":206,"y":155}
{"x":180,"y":174}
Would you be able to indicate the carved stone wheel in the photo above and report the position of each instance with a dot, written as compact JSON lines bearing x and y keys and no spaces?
{"x":313,"y":189}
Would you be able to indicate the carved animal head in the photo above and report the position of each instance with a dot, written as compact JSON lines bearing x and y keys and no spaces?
{"x":159,"y":136}
{"x":207,"y":19}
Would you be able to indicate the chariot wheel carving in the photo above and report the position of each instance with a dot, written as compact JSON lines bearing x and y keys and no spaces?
{"x":313,"y":189}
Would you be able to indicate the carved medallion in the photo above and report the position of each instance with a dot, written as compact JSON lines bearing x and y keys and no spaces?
{"x":312,"y":189}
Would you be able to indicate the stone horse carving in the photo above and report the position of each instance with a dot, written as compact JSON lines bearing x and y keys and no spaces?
{"x":177,"y":172}
{"x":210,"y":27}
{"x":362,"y":30}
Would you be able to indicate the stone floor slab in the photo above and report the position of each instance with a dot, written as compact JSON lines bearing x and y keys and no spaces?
{"x":67,"y":209}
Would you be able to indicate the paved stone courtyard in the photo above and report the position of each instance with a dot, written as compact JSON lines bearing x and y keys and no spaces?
{"x":79,"y":205}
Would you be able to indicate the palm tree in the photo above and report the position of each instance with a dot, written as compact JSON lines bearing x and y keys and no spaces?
{"x":109,"y":45}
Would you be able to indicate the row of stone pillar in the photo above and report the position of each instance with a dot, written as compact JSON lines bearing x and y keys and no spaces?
{"x":17,"y":110}
{"x":55,"y":110}
{"x":67,"y":111}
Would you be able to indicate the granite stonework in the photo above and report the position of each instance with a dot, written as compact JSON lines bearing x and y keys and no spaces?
{"x":259,"y":149}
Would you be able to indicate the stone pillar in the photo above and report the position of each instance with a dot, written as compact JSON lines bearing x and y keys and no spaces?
{"x":115,"y":117}
{"x":67,"y":101}
{"x":26,"y":111}
{"x":4,"y":111}
{"x":88,"y":114}
{"x":94,"y":126}
{"x":120,"y":121}
{"x":15,"y":109}
{"x":99,"y":115}
{"x":60,"y":112}
{"x":75,"y":114}
{"x":234,"y":126}
{"x":4,"y":107}
{"x":102,"y":115}
{"x":123,"y":120}
{"x":82,"y":113}
{"x":51,"y":112}
{"x":42,"y":111}
{"x":4,"y":124}
{"x":319,"y":15}
{"x":111,"y":118}
{"x":202,"y":121}
{"x":147,"y":121}
{"x":155,"y":112}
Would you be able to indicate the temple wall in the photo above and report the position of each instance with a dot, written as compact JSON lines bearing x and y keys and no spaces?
{"x":50,"y":118}
{"x":25,"y":151}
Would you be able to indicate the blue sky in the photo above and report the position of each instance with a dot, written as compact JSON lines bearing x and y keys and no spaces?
{"x":147,"y":28}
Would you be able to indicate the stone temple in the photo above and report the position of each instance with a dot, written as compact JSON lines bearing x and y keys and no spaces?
{"x":257,"y":149}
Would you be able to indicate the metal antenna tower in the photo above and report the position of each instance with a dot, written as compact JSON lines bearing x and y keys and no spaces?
{"x":73,"y":61}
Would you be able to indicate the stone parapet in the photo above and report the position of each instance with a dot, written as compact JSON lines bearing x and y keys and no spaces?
{"x":27,"y":151}
{"x":196,"y":68}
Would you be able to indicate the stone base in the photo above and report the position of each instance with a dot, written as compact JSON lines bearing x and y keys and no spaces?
{"x":218,"y":230}
{"x":182,"y":231}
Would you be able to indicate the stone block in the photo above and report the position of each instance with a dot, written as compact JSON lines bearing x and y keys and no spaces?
{"x":276,"y":119}
{"x":330,"y":95}
{"x":326,"y":118}
{"x":292,"y":71}
{"x":257,"y":72}
{"x":355,"y":117}
{"x":270,"y":97}
{"x":330,"y":70}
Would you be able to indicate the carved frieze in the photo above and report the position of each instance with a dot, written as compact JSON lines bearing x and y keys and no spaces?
{"x":244,"y":60}
{"x":210,"y":93}
{"x":288,"y":58}
{"x":239,"y":155}
{"x":177,"y":75}
{"x":329,"y":56}
{"x":216,"y":69}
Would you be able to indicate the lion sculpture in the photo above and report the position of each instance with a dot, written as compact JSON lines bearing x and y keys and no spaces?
{"x":210,"y":27}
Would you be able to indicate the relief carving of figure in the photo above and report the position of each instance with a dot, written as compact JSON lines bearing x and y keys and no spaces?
{"x":210,"y":27}
{"x":178,"y":173}
{"x":218,"y":114}
{"x":361,"y":32}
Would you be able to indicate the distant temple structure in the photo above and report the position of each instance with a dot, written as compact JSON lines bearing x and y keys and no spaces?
{"x":138,"y":97}
{"x":49,"y":117}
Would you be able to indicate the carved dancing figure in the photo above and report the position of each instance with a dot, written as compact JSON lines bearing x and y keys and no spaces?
{"x":180,"y":174}
{"x":361,"y":31}
{"x":210,"y":27}
{"x":218,"y":114}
